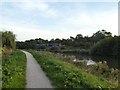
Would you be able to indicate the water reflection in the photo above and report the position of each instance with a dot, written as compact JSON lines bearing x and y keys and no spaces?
{"x":90,"y":62}
{"x":112,"y":62}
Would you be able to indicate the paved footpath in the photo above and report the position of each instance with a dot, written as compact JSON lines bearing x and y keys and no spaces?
{"x":35,"y":76}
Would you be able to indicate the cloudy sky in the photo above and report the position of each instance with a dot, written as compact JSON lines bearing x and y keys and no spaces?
{"x":30,"y":19}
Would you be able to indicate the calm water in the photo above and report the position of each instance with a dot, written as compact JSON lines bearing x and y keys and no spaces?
{"x":112,"y":62}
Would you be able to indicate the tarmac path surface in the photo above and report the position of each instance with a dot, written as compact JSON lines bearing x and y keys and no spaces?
{"x":35,"y":76}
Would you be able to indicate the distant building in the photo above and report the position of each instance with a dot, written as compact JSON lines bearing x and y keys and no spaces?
{"x":53,"y":44}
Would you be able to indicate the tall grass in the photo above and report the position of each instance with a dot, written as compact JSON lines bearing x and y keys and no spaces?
{"x":66,"y":75}
{"x":0,"y":67}
{"x":14,"y":70}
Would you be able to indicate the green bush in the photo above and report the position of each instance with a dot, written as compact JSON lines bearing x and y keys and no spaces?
{"x":106,"y":47}
{"x":8,"y":39}
{"x":14,"y":70}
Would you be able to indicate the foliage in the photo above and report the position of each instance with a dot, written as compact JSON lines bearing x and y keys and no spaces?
{"x":106,"y":47}
{"x":32,"y":44}
{"x":100,"y":69}
{"x":0,"y":67}
{"x":99,"y":35}
{"x":65,"y":75}
{"x":54,"y":48}
{"x":0,"y":50}
{"x":8,"y":39}
{"x":14,"y":70}
{"x":77,"y":43}
{"x":6,"y":51}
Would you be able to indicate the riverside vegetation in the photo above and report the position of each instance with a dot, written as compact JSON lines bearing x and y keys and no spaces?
{"x":101,"y":43}
{"x":14,"y":70}
{"x":63,"y":72}
{"x":66,"y":75}
{"x":0,"y":60}
{"x":13,"y":63}
{"x":100,"y":69}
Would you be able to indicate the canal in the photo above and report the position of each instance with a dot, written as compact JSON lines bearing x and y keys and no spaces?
{"x":111,"y":62}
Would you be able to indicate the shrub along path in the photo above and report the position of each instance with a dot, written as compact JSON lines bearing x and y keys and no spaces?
{"x":35,"y":76}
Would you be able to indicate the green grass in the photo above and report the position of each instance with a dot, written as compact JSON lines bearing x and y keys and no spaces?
{"x":14,"y":70}
{"x":66,"y":75}
{"x":0,"y":67}
{"x":0,"y":50}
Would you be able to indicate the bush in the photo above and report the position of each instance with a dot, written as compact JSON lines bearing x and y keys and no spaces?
{"x":55,"y":48}
{"x":106,"y":47}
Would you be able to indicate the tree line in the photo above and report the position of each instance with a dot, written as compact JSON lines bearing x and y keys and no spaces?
{"x":79,"y":41}
{"x":99,"y":43}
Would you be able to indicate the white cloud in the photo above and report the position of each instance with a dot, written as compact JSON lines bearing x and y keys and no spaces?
{"x":96,"y":21}
{"x":86,"y":23}
{"x":64,"y":0}
{"x":26,"y":33}
{"x":39,"y":6}
{"x":51,"y":13}
{"x":31,"y":5}
{"x":31,"y":32}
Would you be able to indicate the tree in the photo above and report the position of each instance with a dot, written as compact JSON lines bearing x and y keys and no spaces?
{"x":99,"y":35}
{"x":57,"y":40}
{"x":106,"y":47}
{"x":8,"y":39}
{"x":72,"y":38}
{"x":79,"y":36}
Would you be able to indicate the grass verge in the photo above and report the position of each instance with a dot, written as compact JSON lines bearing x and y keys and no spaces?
{"x":14,"y":70}
{"x":66,"y":75}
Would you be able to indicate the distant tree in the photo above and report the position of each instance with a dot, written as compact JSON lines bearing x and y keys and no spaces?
{"x":99,"y":35}
{"x":78,"y":42}
{"x":108,"y":34}
{"x":57,"y":40}
{"x":72,"y":38}
{"x":79,"y":36}
{"x":52,"y":40}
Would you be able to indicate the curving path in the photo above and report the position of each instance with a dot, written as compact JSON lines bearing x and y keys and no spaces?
{"x":35,"y":76}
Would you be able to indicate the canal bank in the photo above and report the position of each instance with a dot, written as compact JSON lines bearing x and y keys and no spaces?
{"x":68,"y":73}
